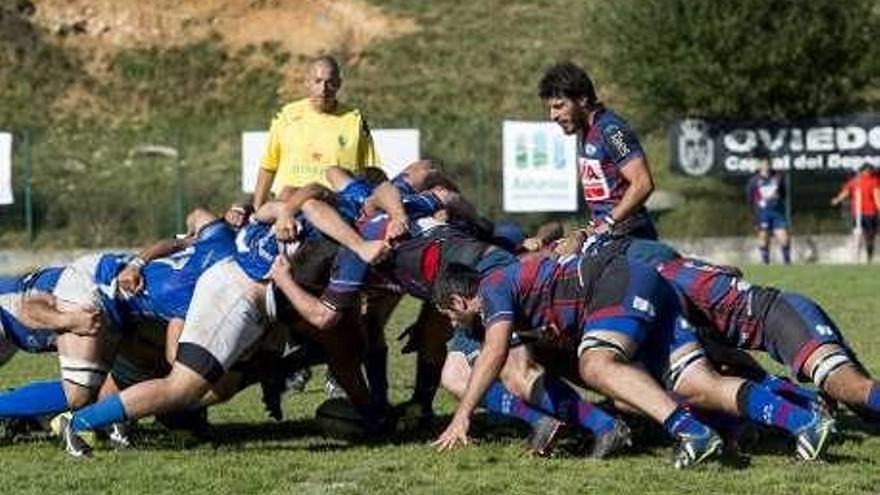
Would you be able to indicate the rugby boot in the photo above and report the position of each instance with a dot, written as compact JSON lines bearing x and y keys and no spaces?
{"x":812,"y":440}
{"x":542,"y":440}
{"x":694,"y":449}
{"x":74,"y":445}
{"x":612,"y":441}
{"x":119,"y":435}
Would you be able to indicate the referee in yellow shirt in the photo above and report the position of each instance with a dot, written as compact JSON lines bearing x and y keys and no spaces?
{"x":314,"y":133}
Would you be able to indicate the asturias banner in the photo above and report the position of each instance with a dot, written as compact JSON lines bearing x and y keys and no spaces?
{"x":832,"y":144}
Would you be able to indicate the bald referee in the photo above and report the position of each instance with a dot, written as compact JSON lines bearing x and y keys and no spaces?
{"x":313,"y":133}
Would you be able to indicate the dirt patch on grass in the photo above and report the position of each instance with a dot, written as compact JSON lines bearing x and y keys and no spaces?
{"x":301,"y":27}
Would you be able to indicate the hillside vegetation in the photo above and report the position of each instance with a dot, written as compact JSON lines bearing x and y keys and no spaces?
{"x":92,"y":80}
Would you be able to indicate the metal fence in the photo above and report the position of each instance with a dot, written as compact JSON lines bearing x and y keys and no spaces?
{"x":92,"y":187}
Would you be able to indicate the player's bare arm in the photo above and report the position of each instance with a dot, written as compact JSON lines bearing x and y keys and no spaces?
{"x":387,"y":198}
{"x":261,"y":191}
{"x":641,"y":185}
{"x":841,"y":196}
{"x":308,"y":306}
{"x":41,"y":311}
{"x":486,"y":370}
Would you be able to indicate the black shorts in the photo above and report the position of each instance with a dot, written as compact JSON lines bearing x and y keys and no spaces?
{"x":794,"y":327}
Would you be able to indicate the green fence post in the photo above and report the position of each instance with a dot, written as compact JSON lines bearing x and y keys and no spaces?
{"x":28,"y":201}
{"x":178,"y":186}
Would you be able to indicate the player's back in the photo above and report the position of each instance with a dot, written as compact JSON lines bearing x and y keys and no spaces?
{"x":170,"y":281}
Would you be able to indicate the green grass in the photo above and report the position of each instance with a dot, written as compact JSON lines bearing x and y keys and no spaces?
{"x":249,"y":454}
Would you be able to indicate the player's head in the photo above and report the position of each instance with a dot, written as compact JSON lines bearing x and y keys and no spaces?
{"x":866,"y":168}
{"x":764,"y":165}
{"x":455,"y":293}
{"x":323,"y":81}
{"x":373,"y":175}
{"x":568,"y":95}
{"x":416,"y":172}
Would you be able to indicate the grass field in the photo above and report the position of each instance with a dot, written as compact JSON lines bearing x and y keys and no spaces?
{"x":249,"y":454}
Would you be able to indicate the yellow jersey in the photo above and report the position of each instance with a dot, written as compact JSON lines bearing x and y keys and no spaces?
{"x":303,"y":142}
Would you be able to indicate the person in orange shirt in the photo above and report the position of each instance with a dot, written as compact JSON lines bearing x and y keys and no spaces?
{"x":863,"y":190}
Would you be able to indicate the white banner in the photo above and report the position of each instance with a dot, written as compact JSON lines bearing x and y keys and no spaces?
{"x":540,"y":171}
{"x":5,"y":168}
{"x":397,"y":148}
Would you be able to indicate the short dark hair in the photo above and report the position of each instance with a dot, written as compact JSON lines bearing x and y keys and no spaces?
{"x":567,"y":80}
{"x":373,"y":175}
{"x":436,"y":178}
{"x":457,"y":279}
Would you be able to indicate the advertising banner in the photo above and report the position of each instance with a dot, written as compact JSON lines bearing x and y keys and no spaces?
{"x":539,"y":168}
{"x":5,"y":168}
{"x":833,"y":144}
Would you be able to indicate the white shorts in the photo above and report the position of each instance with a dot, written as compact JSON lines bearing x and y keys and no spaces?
{"x":226,"y":317}
{"x":76,"y":285}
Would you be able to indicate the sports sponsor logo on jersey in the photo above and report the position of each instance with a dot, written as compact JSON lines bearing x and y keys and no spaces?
{"x":824,"y":330}
{"x":617,"y":138}
{"x":593,"y":180}
{"x":643,"y":305}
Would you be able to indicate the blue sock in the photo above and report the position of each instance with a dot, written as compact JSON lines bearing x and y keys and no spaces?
{"x":786,"y":254}
{"x":801,"y":396}
{"x":873,"y":402}
{"x":501,"y":401}
{"x":99,"y":415}
{"x":34,"y":399}
{"x":682,"y":422}
{"x":765,"y":255}
{"x":559,"y":399}
{"x":759,"y":404}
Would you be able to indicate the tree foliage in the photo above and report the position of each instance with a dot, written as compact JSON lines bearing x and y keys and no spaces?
{"x":741,"y":58}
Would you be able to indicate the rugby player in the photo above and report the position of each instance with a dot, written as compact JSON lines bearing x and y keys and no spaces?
{"x":766,"y":194}
{"x":615,"y":177}
{"x":612,"y":315}
{"x":228,"y":314}
{"x":791,"y":327}
{"x":413,"y":265}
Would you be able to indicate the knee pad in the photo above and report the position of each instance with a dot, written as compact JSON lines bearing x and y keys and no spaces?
{"x":592,"y":343}
{"x":82,"y":372}
{"x":680,"y":365}
{"x":823,"y":369}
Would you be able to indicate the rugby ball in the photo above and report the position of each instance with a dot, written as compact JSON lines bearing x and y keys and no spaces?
{"x":338,"y":418}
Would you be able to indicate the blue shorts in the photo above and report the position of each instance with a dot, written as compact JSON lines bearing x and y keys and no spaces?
{"x":650,"y":315}
{"x":768,"y":219}
{"x":629,"y":298}
{"x":352,"y":197}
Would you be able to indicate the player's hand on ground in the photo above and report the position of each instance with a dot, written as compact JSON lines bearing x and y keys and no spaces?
{"x":281,"y":269}
{"x":86,"y":322}
{"x":455,"y":434}
{"x":396,"y":228}
{"x":130,"y":281}
{"x":285,"y":229}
